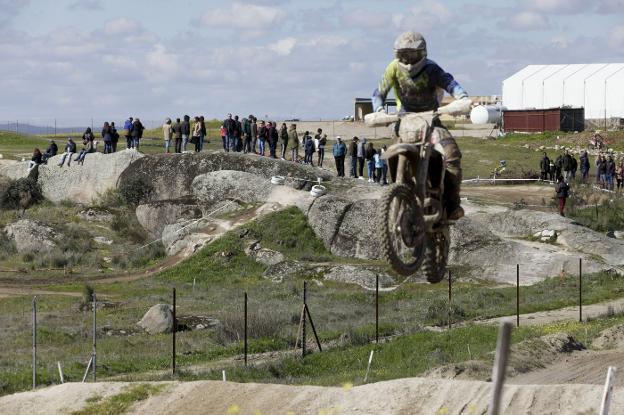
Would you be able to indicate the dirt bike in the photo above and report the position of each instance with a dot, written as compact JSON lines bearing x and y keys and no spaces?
{"x":414,"y":226}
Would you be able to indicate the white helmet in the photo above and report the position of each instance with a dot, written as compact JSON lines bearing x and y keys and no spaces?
{"x":410,"y":48}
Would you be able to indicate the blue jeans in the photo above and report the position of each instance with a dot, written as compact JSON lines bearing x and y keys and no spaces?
{"x":231,"y":143}
{"x":108,"y":147}
{"x":201,"y":142}
{"x":184,"y":142}
{"x":371,"y":169}
{"x":135,"y":143}
{"x":261,"y":146}
{"x":63,"y":159}
{"x":353,"y":172}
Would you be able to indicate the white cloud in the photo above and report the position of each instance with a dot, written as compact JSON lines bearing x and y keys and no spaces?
{"x":89,"y":5}
{"x":121,"y":26}
{"x":283,"y":47}
{"x":616,"y":37}
{"x":161,"y":65}
{"x":557,"y":6}
{"x":423,"y":16}
{"x":366,"y":19}
{"x":244,"y":16}
{"x":527,"y":21}
{"x":11,"y":8}
{"x":611,"y":6}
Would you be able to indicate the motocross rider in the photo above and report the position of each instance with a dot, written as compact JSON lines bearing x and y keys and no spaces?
{"x":419,"y":85}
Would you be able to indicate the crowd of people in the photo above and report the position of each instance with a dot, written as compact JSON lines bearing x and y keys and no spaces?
{"x":609,"y":171}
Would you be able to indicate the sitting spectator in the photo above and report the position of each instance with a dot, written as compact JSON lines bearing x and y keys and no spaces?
{"x":87,"y":147}
{"x":70,"y":148}
{"x":167,"y":133}
{"x":369,"y":155}
{"x":293,"y":139}
{"x":107,"y":138}
{"x":51,"y":151}
{"x":35,"y":160}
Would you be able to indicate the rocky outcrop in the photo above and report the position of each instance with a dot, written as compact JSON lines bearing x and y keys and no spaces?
{"x":31,"y":236}
{"x":230,"y":184}
{"x":263,"y":255}
{"x":83,"y":183}
{"x":364,"y":277}
{"x":172,"y":176}
{"x":154,"y":217}
{"x":158,"y":319}
{"x":16,"y":169}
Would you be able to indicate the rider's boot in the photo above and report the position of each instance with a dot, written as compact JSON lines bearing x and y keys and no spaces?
{"x":453,"y":177}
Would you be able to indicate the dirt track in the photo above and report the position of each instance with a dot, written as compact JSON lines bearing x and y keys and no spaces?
{"x":401,"y":396}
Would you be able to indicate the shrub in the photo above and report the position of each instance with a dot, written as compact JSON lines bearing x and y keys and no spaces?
{"x":20,"y":194}
{"x":109,"y":199}
{"x":75,"y":239}
{"x":135,"y":190}
{"x":127,"y":226}
{"x":141,"y":257}
{"x":259,"y":325}
{"x":7,"y":245}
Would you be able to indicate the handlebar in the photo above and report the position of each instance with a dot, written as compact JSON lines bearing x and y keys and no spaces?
{"x":381,"y":119}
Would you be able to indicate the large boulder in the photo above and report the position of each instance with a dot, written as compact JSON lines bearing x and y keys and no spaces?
{"x":31,"y":236}
{"x":172,"y":176}
{"x":84,"y":183}
{"x":158,"y":319}
{"x":154,"y":217}
{"x":16,"y":169}
{"x":229,"y":184}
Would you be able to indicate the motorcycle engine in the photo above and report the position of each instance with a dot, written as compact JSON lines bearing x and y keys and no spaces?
{"x":414,"y":128}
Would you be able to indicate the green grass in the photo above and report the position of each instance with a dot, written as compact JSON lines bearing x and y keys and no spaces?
{"x":120,"y":403}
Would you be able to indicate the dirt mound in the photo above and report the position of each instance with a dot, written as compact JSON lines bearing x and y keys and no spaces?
{"x":611,"y":338}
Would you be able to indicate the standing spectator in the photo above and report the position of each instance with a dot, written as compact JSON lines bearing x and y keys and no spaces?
{"x":378,"y":166}
{"x":584,"y":166}
{"x":283,"y":134}
{"x":202,"y":132}
{"x":620,"y":175}
{"x":369,"y":155}
{"x":308,"y":146}
{"x":321,"y":149}
{"x":37,"y":159}
{"x":610,"y":172}
{"x":223,"y":134}
{"x":553,"y":171}
{"x":293,"y":139}
{"x":544,"y":167}
{"x":136,"y":133}
{"x":107,"y":138}
{"x":273,"y":137}
{"x":196,"y":135}
{"x":238,"y":134}
{"x":114,"y":136}
{"x":558,"y":165}
{"x":254,"y":133}
{"x":246,"y":135}
{"x":70,"y":148}
{"x":566,"y":164}
{"x":353,"y":149}
{"x":176,"y":129}
{"x":339,"y":150}
{"x":127,"y":129}
{"x":361,"y":154}
{"x":317,"y":140}
{"x":573,"y":167}
{"x":262,"y":137}
{"x":50,"y":152}
{"x":562,"y":191}
{"x":167,"y":133}
{"x":384,"y":169}
{"x":601,"y":173}
{"x":230,"y":128}
{"x":186,"y":132}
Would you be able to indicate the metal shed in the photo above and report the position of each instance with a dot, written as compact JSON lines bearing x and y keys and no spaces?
{"x":553,"y":119}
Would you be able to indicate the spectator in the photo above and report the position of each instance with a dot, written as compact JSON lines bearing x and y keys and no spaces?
{"x":573,"y":167}
{"x":246,"y":135}
{"x":196,"y":135}
{"x":37,"y":159}
{"x":361,"y":154}
{"x":317,"y":140}
{"x":223,"y":137}
{"x":601,"y":171}
{"x":114,"y":136}
{"x":230,"y":126}
{"x":553,"y":171}
{"x":238,"y":134}
{"x":544,"y":167}
{"x":339,"y":150}
{"x":202,"y":132}
{"x":610,"y":168}
{"x":353,"y":149}
{"x":308,"y":147}
{"x":558,"y":165}
{"x":566,"y":164}
{"x":50,"y":152}
{"x":273,"y":137}
{"x":321,"y":149}
{"x":562,"y":191}
{"x":186,"y":132}
{"x":167,"y":133}
{"x":369,"y":155}
{"x":283,"y":134}
{"x":107,"y":138}
{"x":262,"y":137}
{"x":384,"y":169}
{"x":136,"y":133}
{"x":293,"y":139}
{"x":70,"y":148}
{"x":584,"y":166}
{"x":127,"y":129}
{"x":87,"y":147}
{"x":254,"y":133}
{"x":620,"y":175}
{"x":177,"y":135}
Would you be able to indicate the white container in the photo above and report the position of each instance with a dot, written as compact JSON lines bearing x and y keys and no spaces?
{"x":279,"y":180}
{"x":486,"y":114}
{"x":318,"y":190}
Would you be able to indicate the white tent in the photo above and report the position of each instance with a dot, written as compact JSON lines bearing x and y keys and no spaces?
{"x":598,"y":87}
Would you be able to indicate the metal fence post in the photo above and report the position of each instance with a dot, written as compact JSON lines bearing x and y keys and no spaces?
{"x":580,"y":290}
{"x":500,"y":364}
{"x":517,"y":295}
{"x":173,"y":337}
{"x":449,"y":299}
{"x":34,"y":342}
{"x":377,"y":309}
{"x":303,"y":331}
{"x":94,"y":337}
{"x":245,"y":328}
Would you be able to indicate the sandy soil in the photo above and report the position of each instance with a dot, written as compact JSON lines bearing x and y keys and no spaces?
{"x":532,"y":194}
{"x":401,"y":396}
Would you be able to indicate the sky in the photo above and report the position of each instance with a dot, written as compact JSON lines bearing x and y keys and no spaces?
{"x":77,"y":59}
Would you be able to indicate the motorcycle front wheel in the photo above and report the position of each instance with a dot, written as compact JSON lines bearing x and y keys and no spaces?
{"x":402,"y":229}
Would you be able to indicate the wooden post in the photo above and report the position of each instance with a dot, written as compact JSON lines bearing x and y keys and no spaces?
{"x":318,"y":342}
{"x":449,"y":299}
{"x":34,"y":342}
{"x":87,"y":369}
{"x":377,"y":309}
{"x":173,"y":336}
{"x":60,"y":369}
{"x":303,"y":325}
{"x":580,"y":290}
{"x":370,"y":360}
{"x":517,"y":295}
{"x":93,"y":362}
{"x":500,"y":364}
{"x":245,"y":328}
{"x":608,"y":391}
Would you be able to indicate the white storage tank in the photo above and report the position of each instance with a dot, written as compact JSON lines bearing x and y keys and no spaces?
{"x":486,"y":114}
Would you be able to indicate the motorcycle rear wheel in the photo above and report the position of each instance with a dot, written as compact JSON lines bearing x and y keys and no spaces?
{"x":436,"y":256}
{"x":402,"y":229}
